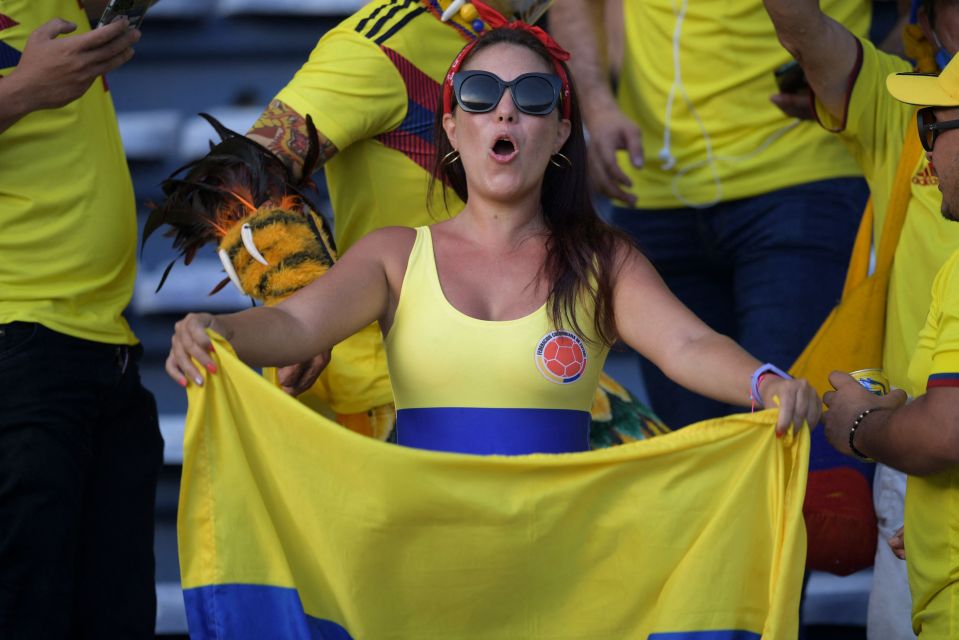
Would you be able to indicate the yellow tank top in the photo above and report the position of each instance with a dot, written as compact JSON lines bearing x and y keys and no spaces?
{"x":487,"y":387}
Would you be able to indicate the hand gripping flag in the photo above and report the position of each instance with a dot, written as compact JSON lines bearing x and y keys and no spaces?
{"x":292,"y":527}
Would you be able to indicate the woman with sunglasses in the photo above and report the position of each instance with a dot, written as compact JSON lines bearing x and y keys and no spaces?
{"x":498,"y":320}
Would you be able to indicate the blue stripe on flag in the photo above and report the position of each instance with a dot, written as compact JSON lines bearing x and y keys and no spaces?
{"x":719,"y":634}
{"x":486,"y":431}
{"x":253,"y":612}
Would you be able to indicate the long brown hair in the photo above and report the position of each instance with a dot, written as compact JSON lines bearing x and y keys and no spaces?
{"x":581,"y":251}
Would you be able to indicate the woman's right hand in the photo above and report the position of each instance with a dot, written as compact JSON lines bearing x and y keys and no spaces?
{"x":191,"y":342}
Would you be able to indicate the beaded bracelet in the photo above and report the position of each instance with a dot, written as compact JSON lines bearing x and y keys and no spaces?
{"x":852,"y":434}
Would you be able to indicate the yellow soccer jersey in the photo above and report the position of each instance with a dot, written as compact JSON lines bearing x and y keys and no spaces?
{"x":728,"y":140}
{"x":932,"y":503}
{"x":371,"y":86}
{"x":874,"y":129}
{"x":67,"y":212}
{"x":531,"y":393}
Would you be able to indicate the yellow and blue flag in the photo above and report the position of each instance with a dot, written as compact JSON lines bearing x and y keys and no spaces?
{"x":292,"y":527}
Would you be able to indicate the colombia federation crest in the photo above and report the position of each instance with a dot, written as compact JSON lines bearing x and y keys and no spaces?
{"x":561,"y":357}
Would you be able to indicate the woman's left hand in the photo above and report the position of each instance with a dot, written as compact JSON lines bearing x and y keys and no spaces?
{"x":796,"y":399}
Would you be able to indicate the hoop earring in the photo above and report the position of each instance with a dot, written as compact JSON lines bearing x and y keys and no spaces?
{"x":450,"y":158}
{"x":565,"y":164}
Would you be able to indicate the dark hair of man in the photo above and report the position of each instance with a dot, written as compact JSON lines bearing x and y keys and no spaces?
{"x":581,"y":259}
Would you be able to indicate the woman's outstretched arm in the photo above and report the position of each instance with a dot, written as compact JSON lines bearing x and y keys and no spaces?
{"x":651,"y":320}
{"x":355,"y":292}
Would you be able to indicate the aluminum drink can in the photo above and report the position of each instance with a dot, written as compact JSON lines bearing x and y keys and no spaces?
{"x":874,"y":380}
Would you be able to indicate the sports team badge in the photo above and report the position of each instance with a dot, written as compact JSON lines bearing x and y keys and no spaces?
{"x":561,"y":357}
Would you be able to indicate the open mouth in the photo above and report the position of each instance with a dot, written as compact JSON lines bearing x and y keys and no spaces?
{"x":504,"y":149}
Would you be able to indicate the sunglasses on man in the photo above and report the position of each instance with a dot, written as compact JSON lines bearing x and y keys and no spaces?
{"x":536,"y":94}
{"x":929,"y":129}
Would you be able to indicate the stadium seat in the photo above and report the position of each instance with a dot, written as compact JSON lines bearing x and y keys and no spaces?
{"x":174,"y":10}
{"x":149,"y":135}
{"x":834,"y":600}
{"x":288,"y":7}
{"x":196,"y":133}
{"x":187,"y":289}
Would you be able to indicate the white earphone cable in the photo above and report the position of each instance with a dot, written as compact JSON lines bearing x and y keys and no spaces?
{"x":667,"y":159}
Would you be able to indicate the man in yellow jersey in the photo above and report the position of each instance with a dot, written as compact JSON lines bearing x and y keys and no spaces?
{"x":848,"y":77}
{"x":748,"y":215}
{"x":80,"y":447}
{"x":922,"y":437}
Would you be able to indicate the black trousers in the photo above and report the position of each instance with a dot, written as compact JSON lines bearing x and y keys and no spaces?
{"x":80,"y":452}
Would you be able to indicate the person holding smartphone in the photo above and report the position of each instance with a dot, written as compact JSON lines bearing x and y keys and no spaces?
{"x":80,"y":447}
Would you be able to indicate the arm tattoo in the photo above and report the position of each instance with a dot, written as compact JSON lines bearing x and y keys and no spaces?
{"x":283,"y":131}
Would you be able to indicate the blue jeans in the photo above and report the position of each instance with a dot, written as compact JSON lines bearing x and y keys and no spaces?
{"x":764,"y":270}
{"x":80,"y":452}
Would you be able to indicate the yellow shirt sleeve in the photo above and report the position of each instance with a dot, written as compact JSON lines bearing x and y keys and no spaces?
{"x":935,"y":362}
{"x":349,"y":87}
{"x":944,"y":321}
{"x":875,"y":124}
{"x":873,"y":128}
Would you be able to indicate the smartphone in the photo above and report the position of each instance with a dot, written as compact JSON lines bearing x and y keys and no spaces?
{"x":134,"y":10}
{"x":790,"y":78}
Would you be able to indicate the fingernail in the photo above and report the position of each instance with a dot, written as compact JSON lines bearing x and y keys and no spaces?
{"x":212,"y":350}
{"x":198,"y":380}
{"x":182,"y":382}
{"x":211,"y":368}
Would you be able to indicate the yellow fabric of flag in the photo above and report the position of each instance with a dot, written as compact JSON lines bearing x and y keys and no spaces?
{"x":292,"y":527}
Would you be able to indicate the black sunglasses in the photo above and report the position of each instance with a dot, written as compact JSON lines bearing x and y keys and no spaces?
{"x":929,"y":129}
{"x":533,"y":93}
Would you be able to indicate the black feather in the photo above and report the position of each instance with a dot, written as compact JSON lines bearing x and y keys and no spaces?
{"x":219,"y":286}
{"x":199,"y":189}
{"x":166,"y":272}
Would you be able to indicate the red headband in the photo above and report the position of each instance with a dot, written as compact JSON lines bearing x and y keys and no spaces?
{"x":495,"y":20}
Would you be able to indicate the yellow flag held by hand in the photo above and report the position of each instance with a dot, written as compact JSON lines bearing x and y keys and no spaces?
{"x":292,"y":527}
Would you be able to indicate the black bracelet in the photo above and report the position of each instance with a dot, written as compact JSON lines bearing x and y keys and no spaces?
{"x":852,"y":434}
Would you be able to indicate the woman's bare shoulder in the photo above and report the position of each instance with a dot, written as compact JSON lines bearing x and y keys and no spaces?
{"x":629,"y":259}
{"x":386,"y":242}
{"x":389,"y":247}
